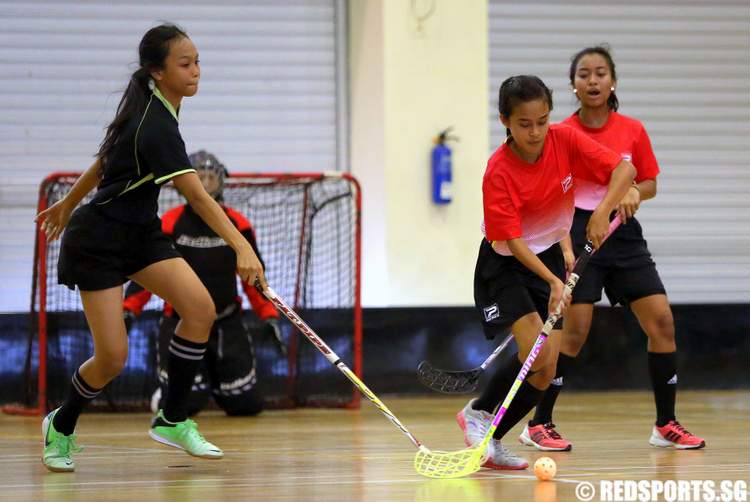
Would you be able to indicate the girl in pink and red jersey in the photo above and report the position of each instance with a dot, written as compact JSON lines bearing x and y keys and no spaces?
{"x":528,"y":212}
{"x":624,"y":268}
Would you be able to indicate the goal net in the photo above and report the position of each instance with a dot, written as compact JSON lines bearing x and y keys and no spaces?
{"x":308,"y":232}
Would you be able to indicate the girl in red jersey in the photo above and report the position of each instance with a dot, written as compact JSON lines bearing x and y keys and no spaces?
{"x":624,"y":268}
{"x":528,"y":212}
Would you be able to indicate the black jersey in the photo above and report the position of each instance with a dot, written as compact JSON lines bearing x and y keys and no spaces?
{"x":207,"y":253}
{"x":150,"y":152}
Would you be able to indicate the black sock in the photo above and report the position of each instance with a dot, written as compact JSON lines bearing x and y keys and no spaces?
{"x":527,"y":397}
{"x":499,"y":385}
{"x":79,"y":396}
{"x":663,"y":370}
{"x":183,"y":362}
{"x":543,"y":413}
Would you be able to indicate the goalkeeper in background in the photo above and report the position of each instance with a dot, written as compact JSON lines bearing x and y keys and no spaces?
{"x":228,"y":369}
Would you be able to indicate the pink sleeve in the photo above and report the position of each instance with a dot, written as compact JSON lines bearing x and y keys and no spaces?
{"x":502,"y":220}
{"x":591,"y":160}
{"x":644,"y":159}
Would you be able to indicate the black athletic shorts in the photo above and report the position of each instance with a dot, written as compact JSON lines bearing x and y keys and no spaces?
{"x":623,"y":266}
{"x":505,"y":290}
{"x":98,"y":252}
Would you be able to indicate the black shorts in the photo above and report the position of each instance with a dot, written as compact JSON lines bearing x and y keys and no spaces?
{"x":505,"y":290}
{"x":98,"y":252}
{"x":623,"y":266}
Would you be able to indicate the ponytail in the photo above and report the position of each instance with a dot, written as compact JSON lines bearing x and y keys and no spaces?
{"x":152,"y":51}
{"x":132,"y":103}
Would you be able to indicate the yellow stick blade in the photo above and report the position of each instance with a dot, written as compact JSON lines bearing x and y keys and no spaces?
{"x":449,"y":464}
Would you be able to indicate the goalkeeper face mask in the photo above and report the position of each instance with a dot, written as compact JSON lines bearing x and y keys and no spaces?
{"x":211,"y":172}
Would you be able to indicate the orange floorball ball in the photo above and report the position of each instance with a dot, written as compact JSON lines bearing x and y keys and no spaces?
{"x":545,"y":468}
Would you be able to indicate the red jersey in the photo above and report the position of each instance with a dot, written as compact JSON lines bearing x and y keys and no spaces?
{"x":535,"y":201}
{"x":624,"y":135}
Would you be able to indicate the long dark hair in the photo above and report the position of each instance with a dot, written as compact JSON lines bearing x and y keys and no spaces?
{"x":152,"y":51}
{"x":521,"y":89}
{"x":603,"y":51}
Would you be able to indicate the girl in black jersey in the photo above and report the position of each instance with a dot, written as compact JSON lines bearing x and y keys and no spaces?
{"x":117,"y":236}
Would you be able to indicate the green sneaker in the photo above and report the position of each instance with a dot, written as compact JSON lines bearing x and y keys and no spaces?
{"x":183,"y":435}
{"x":58,"y":447}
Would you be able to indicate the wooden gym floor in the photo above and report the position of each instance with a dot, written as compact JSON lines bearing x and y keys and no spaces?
{"x":327,"y":455}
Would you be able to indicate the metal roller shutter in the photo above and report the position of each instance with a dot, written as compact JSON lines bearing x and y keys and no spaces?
{"x":270,"y":98}
{"x":683,"y":68}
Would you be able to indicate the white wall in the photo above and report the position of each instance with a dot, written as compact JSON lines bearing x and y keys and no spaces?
{"x":367,"y":141}
{"x":406,"y":86}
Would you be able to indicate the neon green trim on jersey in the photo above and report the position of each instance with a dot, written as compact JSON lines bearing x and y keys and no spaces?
{"x":169,"y":176}
{"x":135,"y":140}
{"x":140,"y":182}
{"x":166,"y":103}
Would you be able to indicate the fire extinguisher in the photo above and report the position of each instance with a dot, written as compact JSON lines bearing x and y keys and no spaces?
{"x":442,"y":175}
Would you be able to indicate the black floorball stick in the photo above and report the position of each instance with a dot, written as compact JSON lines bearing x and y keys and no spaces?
{"x":456,"y":382}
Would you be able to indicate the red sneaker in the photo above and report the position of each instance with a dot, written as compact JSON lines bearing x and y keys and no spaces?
{"x":673,"y":435}
{"x":544,"y":437}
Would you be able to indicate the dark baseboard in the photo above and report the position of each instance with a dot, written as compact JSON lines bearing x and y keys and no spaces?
{"x":713,"y":348}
